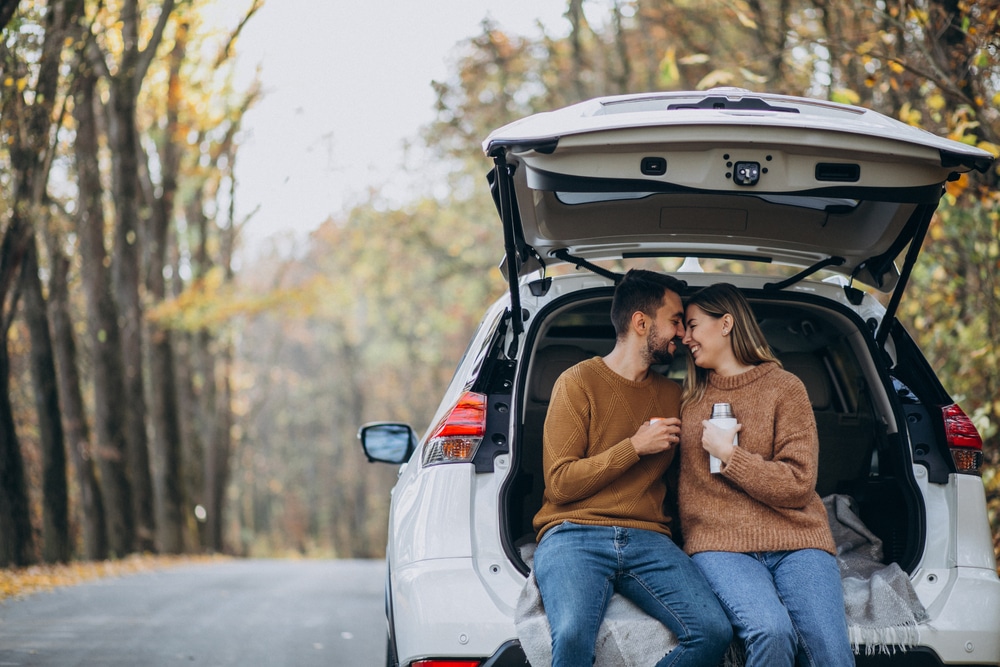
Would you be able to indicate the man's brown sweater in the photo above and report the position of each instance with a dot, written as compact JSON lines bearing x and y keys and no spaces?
{"x":592,"y":472}
{"x":765,"y":498}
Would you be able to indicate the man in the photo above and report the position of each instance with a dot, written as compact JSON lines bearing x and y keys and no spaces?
{"x":611,"y":432}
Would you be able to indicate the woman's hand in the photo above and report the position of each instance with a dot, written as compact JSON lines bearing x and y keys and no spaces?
{"x":719,"y":441}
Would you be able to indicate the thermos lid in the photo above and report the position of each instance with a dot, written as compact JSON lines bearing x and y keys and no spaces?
{"x":722,"y":411}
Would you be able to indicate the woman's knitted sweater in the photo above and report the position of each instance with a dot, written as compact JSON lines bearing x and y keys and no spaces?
{"x":593,"y":474}
{"x":765,"y":498}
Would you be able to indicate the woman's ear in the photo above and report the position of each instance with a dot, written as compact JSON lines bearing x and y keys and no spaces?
{"x":727,"y":324}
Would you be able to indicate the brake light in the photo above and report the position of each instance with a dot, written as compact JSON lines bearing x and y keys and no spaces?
{"x":963,"y":440}
{"x":458,"y":435}
{"x":445,"y":663}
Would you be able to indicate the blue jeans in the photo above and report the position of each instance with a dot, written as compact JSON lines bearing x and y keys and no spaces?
{"x":784,"y":605}
{"x":579,"y":567}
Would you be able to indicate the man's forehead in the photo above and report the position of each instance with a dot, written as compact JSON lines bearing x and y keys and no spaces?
{"x":672,"y":301}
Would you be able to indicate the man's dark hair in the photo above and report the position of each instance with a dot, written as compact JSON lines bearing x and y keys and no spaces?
{"x":640,"y":290}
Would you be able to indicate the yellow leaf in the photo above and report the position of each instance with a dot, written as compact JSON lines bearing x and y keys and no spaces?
{"x":719,"y":77}
{"x":751,"y":77}
{"x":694,"y":59}
{"x":669,"y":73}
{"x":989,"y":147}
{"x":936,"y":101}
{"x":746,"y":21}
{"x":956,"y":188}
{"x":909,"y":115}
{"x":845,"y":96}
{"x":896,"y":67}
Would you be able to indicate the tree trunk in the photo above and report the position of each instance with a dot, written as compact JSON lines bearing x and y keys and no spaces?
{"x":130,"y":241}
{"x":90,"y":507}
{"x":28,"y":117}
{"x":102,"y":320}
{"x":55,"y":493}
{"x":16,"y":542}
{"x":578,"y":23}
{"x":163,"y":391}
{"x":125,"y":277}
{"x":217,"y":456}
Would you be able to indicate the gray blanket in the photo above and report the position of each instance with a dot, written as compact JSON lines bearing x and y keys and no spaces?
{"x":882,"y":609}
{"x":628,"y":636}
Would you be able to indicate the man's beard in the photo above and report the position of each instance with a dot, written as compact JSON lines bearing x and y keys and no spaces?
{"x":657,"y":348}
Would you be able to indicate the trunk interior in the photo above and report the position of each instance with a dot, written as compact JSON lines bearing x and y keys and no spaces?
{"x":862,"y":454}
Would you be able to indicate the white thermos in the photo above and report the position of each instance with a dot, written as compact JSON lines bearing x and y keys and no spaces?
{"x":722,"y":416}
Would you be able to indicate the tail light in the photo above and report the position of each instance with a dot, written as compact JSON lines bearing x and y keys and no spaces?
{"x":458,"y":435}
{"x":963,"y":440}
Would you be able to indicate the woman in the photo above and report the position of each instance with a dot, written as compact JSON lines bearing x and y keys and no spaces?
{"x":757,"y":529}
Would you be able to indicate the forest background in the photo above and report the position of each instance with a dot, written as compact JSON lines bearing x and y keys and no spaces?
{"x":155,"y":397}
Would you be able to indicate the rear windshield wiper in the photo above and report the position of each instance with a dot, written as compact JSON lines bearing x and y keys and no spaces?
{"x":564,"y":255}
{"x":805,"y":273}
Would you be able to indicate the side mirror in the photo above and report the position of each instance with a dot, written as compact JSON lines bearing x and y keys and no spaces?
{"x":387,"y":442}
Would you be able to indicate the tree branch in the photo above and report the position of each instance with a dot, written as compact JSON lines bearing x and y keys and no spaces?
{"x":146,"y":55}
{"x":226,"y":50}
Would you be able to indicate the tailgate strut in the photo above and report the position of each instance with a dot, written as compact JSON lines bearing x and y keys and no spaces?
{"x":505,"y":185}
{"x":926,"y":213}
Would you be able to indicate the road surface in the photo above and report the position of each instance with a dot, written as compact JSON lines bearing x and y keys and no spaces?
{"x":240,"y":612}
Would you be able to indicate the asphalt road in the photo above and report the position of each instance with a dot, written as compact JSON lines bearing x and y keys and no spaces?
{"x":255,"y":612}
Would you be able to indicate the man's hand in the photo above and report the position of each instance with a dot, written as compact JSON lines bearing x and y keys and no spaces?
{"x":657,"y":435}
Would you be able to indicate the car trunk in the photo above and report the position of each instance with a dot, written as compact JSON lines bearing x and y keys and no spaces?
{"x":862,"y":454}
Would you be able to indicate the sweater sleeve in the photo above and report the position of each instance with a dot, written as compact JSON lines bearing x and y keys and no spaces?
{"x":788,"y":479}
{"x":572,"y":473}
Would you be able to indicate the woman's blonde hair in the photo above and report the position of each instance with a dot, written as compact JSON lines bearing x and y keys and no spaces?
{"x":748,"y":342}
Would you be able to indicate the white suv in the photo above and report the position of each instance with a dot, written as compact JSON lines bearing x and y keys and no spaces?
{"x":689,"y":182}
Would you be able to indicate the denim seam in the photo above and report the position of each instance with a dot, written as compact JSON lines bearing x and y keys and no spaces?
{"x":799,"y":638}
{"x":666,"y":607}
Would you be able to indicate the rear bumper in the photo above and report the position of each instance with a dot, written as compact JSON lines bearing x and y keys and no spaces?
{"x":442,"y":608}
{"x":964,"y":625}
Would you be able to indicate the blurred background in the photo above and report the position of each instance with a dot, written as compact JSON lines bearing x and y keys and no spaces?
{"x":231,"y":232}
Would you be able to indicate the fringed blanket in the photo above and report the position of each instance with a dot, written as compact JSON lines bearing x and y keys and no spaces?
{"x":882,"y":609}
{"x":628,"y":636}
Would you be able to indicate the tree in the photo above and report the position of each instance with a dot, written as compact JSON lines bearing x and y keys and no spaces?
{"x":29,"y":122}
{"x":90,"y":509}
{"x":124,"y":78}
{"x":111,"y":450}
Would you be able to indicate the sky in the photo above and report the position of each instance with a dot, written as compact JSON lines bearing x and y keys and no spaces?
{"x":346,"y":84}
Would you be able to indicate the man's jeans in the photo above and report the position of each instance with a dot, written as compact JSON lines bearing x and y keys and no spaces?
{"x":578,"y":568}
{"x":783,"y":604}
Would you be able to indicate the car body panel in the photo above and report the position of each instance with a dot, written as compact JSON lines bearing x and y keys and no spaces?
{"x":442,"y":492}
{"x":835,"y":181}
{"x":441,"y":608}
{"x":639,"y":111}
{"x":963,"y":619}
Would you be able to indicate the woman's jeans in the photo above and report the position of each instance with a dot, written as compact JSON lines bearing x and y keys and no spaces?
{"x":579,"y":567}
{"x":784,"y":605}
